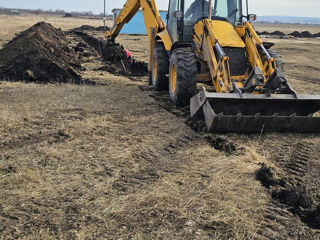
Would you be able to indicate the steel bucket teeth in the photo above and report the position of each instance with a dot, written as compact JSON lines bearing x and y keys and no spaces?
{"x":257,"y":113}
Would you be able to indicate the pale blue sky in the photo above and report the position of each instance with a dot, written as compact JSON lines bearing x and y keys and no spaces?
{"x":302,"y":8}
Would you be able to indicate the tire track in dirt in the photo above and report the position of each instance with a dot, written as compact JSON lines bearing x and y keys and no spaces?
{"x":50,"y":131}
{"x":294,"y":183}
{"x":293,"y":160}
{"x":276,"y":221}
{"x":279,"y":223}
{"x":160,"y":157}
{"x":31,"y":139}
{"x":219,"y":142}
{"x":299,"y":161}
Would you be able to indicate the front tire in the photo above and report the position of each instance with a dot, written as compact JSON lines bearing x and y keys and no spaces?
{"x":182,"y":76}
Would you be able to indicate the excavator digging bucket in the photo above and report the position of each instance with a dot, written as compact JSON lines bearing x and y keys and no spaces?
{"x":249,"y":113}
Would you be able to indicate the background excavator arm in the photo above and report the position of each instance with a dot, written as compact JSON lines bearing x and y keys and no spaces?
{"x":152,"y":19}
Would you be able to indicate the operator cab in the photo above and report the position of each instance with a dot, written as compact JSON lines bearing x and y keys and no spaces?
{"x":184,"y":14}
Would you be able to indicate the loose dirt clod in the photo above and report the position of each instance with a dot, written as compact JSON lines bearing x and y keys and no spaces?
{"x":39,"y":54}
{"x":265,"y":176}
{"x":221,"y":143}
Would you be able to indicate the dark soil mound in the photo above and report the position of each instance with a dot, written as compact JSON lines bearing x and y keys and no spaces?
{"x":265,"y":33}
{"x":278,"y":33}
{"x":85,"y":28}
{"x":91,"y":28}
{"x":221,"y":143}
{"x":306,"y":34}
{"x":295,"y":34}
{"x":139,"y":68}
{"x":39,"y":54}
{"x":265,"y":176}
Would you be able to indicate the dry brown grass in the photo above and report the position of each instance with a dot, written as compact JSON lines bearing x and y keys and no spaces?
{"x":107,"y":162}
{"x":301,"y":63}
{"x":84,"y":164}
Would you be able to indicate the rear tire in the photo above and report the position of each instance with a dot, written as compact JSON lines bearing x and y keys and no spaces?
{"x":159,"y":68}
{"x":183,"y":76}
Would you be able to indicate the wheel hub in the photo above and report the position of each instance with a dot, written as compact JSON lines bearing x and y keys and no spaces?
{"x":154,"y":69}
{"x":173,"y":78}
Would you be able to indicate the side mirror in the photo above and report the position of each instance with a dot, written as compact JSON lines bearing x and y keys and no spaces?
{"x":177,"y":14}
{"x":252,"y":17}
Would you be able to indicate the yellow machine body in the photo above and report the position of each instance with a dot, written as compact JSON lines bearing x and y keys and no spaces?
{"x":249,"y":90}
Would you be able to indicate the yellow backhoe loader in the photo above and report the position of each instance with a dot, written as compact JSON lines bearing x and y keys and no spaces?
{"x":214,"y":43}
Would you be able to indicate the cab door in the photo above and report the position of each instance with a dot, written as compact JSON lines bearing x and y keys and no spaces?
{"x":172,"y":24}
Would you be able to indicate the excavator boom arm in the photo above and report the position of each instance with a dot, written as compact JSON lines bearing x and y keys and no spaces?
{"x":152,"y":19}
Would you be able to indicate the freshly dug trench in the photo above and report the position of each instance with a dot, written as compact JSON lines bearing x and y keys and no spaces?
{"x":39,"y":54}
{"x":112,"y":54}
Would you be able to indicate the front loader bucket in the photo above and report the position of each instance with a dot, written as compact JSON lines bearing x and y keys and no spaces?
{"x":249,"y":113}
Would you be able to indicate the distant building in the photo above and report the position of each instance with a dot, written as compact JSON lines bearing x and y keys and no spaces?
{"x":136,"y":24}
{"x":15,"y":12}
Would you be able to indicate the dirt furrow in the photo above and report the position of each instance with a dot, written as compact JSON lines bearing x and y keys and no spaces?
{"x":295,"y":181}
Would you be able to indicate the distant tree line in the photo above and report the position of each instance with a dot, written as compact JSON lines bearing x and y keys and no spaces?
{"x":14,"y":11}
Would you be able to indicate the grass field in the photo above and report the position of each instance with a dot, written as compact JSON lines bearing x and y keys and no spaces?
{"x":111,"y":161}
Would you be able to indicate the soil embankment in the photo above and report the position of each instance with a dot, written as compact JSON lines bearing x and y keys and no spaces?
{"x":42,"y":54}
{"x":294,"y":34}
{"x":39,"y":54}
